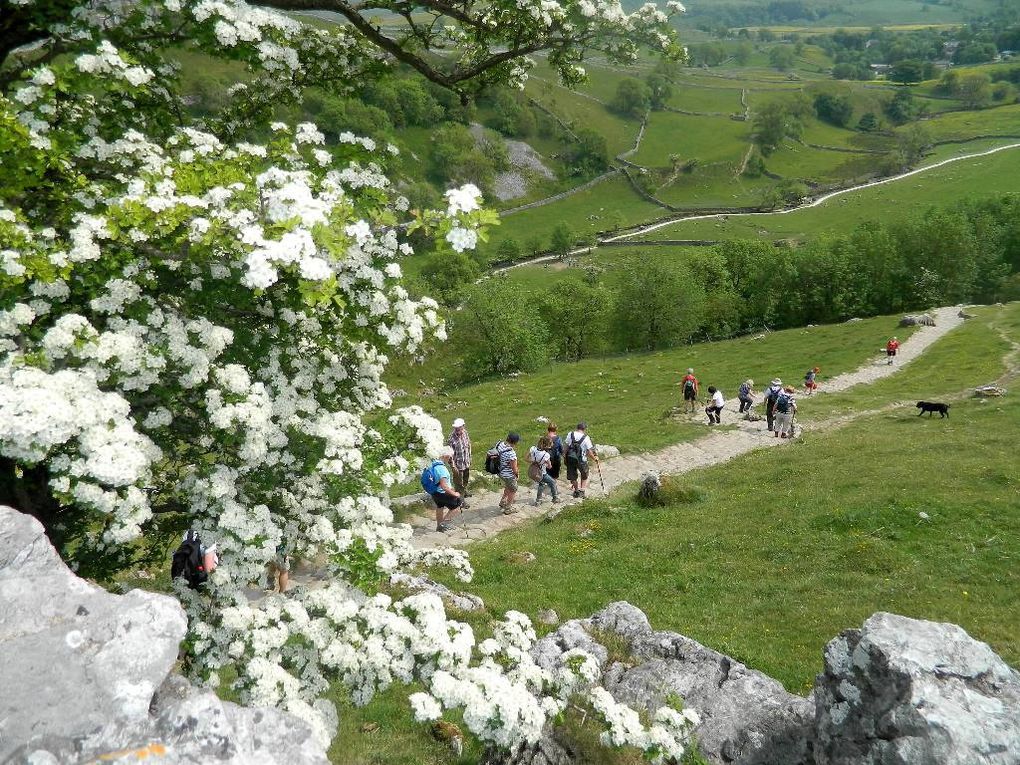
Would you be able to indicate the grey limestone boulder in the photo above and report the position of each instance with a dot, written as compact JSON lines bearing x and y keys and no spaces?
{"x":903,"y":691}
{"x":86,"y":675}
{"x":746,"y":716}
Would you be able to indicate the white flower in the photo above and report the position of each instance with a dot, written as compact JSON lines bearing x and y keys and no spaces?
{"x":465,"y":199}
{"x":461,"y":239}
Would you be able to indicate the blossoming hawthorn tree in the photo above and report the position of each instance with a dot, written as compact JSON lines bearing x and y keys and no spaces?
{"x":194,"y":322}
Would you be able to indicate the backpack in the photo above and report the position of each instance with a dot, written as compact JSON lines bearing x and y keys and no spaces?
{"x":745,"y":390}
{"x":783,"y":403}
{"x":429,"y":482}
{"x":772,"y":394}
{"x":492,"y":460}
{"x":535,"y":471}
{"x":574,"y":448}
{"x":188,"y":561}
{"x":689,"y":385}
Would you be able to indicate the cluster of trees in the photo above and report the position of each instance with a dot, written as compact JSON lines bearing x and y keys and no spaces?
{"x":760,"y":13}
{"x":634,"y":97}
{"x":976,"y":89}
{"x":912,"y":54}
{"x":969,"y":253}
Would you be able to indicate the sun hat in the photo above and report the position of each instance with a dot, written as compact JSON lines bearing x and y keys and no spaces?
{"x":458,"y":423}
{"x":776,"y":381}
{"x":690,"y":370}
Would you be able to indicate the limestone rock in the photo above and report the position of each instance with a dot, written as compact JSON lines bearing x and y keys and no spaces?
{"x":68,"y":641}
{"x":964,"y":315}
{"x":648,"y":492}
{"x":903,"y":691}
{"x":92,"y":669}
{"x":462,"y":601}
{"x":606,"y":452}
{"x":923,"y":320}
{"x":548,"y":616}
{"x":746,"y":716}
{"x":990,"y":391}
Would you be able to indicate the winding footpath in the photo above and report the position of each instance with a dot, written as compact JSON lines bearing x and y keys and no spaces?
{"x":815,"y":202}
{"x":485,"y":519}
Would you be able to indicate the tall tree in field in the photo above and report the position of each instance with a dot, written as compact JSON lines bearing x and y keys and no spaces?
{"x":196,"y":312}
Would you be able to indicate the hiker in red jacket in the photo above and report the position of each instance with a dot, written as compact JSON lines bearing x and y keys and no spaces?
{"x":891,"y":347}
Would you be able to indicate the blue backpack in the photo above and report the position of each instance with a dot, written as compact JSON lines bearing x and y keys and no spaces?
{"x":429,"y":480}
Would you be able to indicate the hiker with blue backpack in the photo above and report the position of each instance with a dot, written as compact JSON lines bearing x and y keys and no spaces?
{"x":435,"y":480}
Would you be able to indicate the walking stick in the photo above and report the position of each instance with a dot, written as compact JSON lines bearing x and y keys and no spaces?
{"x":598,"y":465}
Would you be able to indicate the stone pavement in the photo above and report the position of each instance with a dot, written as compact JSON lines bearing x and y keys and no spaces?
{"x":485,"y":519}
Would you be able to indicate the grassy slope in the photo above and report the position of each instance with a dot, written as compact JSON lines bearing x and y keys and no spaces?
{"x":624,"y":399}
{"x":978,"y":177}
{"x":789,"y":548}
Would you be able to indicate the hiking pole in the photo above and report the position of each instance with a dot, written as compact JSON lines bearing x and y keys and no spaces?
{"x":598,"y":465}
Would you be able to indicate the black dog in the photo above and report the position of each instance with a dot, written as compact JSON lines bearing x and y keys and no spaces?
{"x":930,"y":407}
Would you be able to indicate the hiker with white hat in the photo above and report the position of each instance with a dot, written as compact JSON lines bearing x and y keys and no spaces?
{"x":771,"y":397}
{"x":579,"y":449}
{"x":460,"y":465}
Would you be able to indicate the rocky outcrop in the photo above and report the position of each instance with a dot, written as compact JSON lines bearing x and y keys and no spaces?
{"x":898,"y":691}
{"x":747,"y":717}
{"x":920,"y":320}
{"x":901,"y":691}
{"x":86,"y":674}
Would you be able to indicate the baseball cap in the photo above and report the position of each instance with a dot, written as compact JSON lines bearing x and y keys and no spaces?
{"x":458,"y":423}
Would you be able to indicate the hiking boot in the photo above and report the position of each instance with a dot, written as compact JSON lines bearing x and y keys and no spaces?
{"x":536,"y":503}
{"x":444,"y":527}
{"x":556,"y":499}
{"x":576,"y":493}
{"x":509,"y":510}
{"x":580,"y":493}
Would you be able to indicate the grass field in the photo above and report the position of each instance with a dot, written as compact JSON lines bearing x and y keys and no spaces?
{"x":708,"y":139}
{"x":993,"y":174}
{"x":625,"y":399}
{"x":783,"y":550}
{"x":585,"y":212}
{"x":774,"y":562}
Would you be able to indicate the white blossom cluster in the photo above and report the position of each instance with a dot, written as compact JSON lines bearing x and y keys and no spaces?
{"x":199,"y":325}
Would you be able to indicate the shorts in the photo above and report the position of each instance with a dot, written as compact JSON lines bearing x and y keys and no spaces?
{"x":575,"y":468}
{"x":689,"y":394}
{"x":447,"y":501}
{"x":890,"y":352}
{"x":509,"y":482}
{"x":554,"y":471}
{"x":282,"y":563}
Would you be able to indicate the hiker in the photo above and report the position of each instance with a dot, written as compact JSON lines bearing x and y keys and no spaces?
{"x":435,"y":480}
{"x":771,"y":394}
{"x":809,"y":380}
{"x":505,"y":459}
{"x":460,"y":442}
{"x":555,"y":451}
{"x":786,"y":407}
{"x":715,"y":405}
{"x":193,"y":561}
{"x":280,"y":567}
{"x":689,"y":385}
{"x":538,"y":470}
{"x":746,"y":395}
{"x":891,"y":347}
{"x":579,"y":448}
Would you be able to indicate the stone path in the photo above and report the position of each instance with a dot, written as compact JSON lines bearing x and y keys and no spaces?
{"x":484,"y":519}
